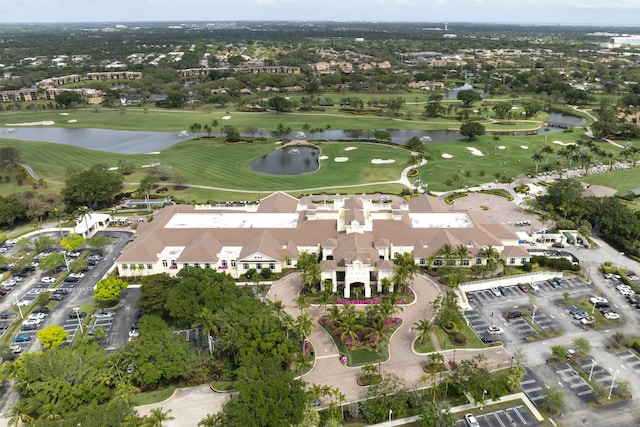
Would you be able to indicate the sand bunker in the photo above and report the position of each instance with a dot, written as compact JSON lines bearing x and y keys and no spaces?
{"x":43,"y":123}
{"x":475,"y":151}
{"x":350,"y":148}
{"x":524,"y":147}
{"x":113,"y":168}
{"x":501,"y":147}
{"x":382,"y":161}
{"x":323,"y":157}
{"x":64,"y":114}
{"x":446,"y":156}
{"x":154,"y":152}
{"x":563,"y":143}
{"x":226,"y":117}
{"x":150,"y":165}
{"x":341,"y":159}
{"x":72,"y":121}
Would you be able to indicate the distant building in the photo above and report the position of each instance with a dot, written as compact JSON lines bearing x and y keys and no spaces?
{"x":624,"y":41}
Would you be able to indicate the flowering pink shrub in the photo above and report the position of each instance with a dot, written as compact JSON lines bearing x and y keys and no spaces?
{"x":359,"y":301}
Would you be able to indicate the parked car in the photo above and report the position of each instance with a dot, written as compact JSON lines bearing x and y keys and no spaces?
{"x":523,"y":287}
{"x":29,"y":327}
{"x":471,"y":420}
{"x":570,"y":353}
{"x":588,"y":320}
{"x":134,"y":333}
{"x":580,"y":315}
{"x":104,"y":314}
{"x":494,"y":330}
{"x":76,"y":275}
{"x":503,"y":290}
{"x":596,"y":299}
{"x":15,"y":348}
{"x":469,"y":296}
{"x":611,"y":315}
{"x":513,"y":314}
{"x":48,"y":279}
{"x":77,"y":314}
{"x":22,"y":338}
{"x":44,"y":310}
{"x":496,"y":292}
{"x":558,"y":245}
{"x":535,"y":286}
{"x":574,"y":309}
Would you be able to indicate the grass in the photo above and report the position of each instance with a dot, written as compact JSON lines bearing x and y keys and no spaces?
{"x":362,"y":357}
{"x":223,"y":385}
{"x":211,"y":163}
{"x":148,"y":397}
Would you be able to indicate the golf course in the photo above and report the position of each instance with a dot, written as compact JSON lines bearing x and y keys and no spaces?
{"x":209,"y":169}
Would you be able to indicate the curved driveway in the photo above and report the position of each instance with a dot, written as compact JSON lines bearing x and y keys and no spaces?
{"x":404,"y":362}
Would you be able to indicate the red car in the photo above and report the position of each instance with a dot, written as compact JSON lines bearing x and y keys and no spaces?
{"x":469,"y":297}
{"x":523,"y":287}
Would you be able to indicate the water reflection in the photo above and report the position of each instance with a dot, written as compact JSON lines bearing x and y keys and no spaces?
{"x":288,"y":161}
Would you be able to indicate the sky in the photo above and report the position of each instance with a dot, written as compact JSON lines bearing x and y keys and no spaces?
{"x":564,"y":12}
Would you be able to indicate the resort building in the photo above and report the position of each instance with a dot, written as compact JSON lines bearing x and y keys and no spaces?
{"x":355,"y":238}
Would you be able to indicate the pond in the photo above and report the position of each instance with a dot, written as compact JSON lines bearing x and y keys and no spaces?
{"x":289,"y":160}
{"x":113,"y":141}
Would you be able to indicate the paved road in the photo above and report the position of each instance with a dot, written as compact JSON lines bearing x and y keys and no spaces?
{"x":404,"y":362}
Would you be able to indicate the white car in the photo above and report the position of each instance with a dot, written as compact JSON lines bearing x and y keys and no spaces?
{"x":471,"y":420}
{"x":74,"y":254}
{"x":15,"y":348}
{"x":36,"y":316}
{"x":77,"y":275}
{"x":133,"y":333}
{"x":534,"y":286}
{"x":627,"y":292}
{"x":25,"y":302}
{"x":597,"y":299}
{"x":32,"y":322}
{"x":611,"y":315}
{"x":9,"y":283}
{"x":493,"y":329}
{"x":48,"y":279}
{"x":496,"y":292}
{"x":103,"y":314}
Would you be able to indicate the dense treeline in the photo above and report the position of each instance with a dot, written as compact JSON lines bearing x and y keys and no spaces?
{"x":609,"y":217}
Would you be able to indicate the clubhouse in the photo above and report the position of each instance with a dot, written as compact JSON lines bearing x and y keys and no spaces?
{"x":355,"y":238}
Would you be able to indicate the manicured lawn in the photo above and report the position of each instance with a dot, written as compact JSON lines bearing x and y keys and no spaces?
{"x":148,"y":397}
{"x":362,"y":357}
{"x":223,"y":385}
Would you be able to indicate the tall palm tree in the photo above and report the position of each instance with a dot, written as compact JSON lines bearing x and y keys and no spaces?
{"x":547,"y":150}
{"x":19,"y":415}
{"x":302,"y":303}
{"x":404,"y":270}
{"x":304,"y":326}
{"x":208,"y":421}
{"x":537,"y":157}
{"x":424,"y":328}
{"x":491,"y":256}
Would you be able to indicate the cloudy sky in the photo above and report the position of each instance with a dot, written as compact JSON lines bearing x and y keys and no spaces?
{"x":602,"y":12}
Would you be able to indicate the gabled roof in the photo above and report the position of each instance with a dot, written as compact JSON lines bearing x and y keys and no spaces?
{"x":264,"y":243}
{"x":426,"y":203}
{"x":278,"y":202}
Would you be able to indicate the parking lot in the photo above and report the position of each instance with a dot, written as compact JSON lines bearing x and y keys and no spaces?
{"x":533,"y":387}
{"x":514,"y":416}
{"x":570,"y":379}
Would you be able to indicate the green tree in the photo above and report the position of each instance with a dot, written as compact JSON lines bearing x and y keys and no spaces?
{"x":51,"y":261}
{"x":109,"y":289}
{"x":157,"y":355}
{"x":72,"y":242}
{"x":157,"y":417}
{"x":501,"y":109}
{"x":43,"y":243}
{"x":472,"y":130}
{"x":558,"y":351}
{"x":554,"y":400}
{"x":468,"y":97}
{"x":68,"y":99}
{"x":279,"y":103}
{"x":581,"y":345}
{"x":91,"y":188}
{"x":10,"y":155}
{"x":52,"y":336}
{"x":436,"y":415}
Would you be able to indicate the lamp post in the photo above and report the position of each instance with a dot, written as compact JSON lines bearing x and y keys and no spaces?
{"x":75,"y":309}
{"x":390,"y":414}
{"x":19,"y":308}
{"x":482,"y":403}
{"x":533,"y":316}
{"x":620,"y":254}
{"x":593,"y":363}
{"x":613,"y":381}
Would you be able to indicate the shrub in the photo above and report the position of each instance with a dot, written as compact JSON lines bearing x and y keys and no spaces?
{"x":266,"y":273}
{"x":458,"y":338}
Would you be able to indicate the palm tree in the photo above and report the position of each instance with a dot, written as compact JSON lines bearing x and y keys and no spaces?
{"x":19,"y":415}
{"x":446,"y":252}
{"x":157,"y":417}
{"x":404,"y":270}
{"x":547,"y":149}
{"x":334,"y":315}
{"x":424,"y":328}
{"x":491,"y":256}
{"x":304,"y":326}
{"x":302,"y":303}
{"x":208,"y":421}
{"x":208,"y":322}
{"x":349,"y":327}
{"x":496,"y":139}
{"x":124,"y":391}
{"x":461,"y":252}
{"x":537,"y":157}
{"x":554,"y":400}
{"x":84,"y":213}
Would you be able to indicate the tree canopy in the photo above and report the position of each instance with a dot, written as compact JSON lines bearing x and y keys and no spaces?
{"x":91,"y":188}
{"x":109,"y":289}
